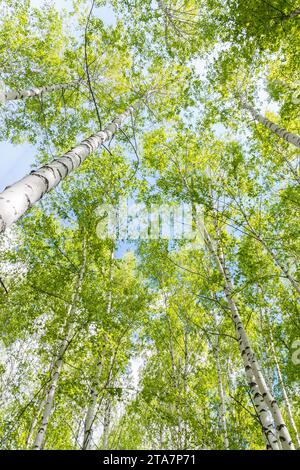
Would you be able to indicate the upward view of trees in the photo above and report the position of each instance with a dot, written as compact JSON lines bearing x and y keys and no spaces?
{"x":149,"y":259}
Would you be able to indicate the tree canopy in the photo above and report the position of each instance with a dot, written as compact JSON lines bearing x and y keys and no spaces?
{"x":149,"y":261}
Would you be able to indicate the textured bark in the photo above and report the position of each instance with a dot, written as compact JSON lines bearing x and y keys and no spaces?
{"x":19,"y":95}
{"x":33,"y":424}
{"x":15,"y":200}
{"x":58,"y":364}
{"x":293,"y":14}
{"x":263,"y":400}
{"x":289,"y":137}
{"x":92,"y":409}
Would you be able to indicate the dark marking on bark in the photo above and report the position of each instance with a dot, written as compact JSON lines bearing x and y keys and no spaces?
{"x":59,"y":172}
{"x":64,"y":165}
{"x":2,"y":224}
{"x":48,"y":167}
{"x":42,"y":177}
{"x":69,"y":158}
{"x":281,"y":426}
{"x":28,"y":200}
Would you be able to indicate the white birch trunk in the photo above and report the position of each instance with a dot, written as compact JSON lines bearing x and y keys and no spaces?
{"x":41,"y":434}
{"x":293,"y":14}
{"x":289,"y":137}
{"x":19,"y":95}
{"x":263,"y":400}
{"x":55,"y":375}
{"x":92,"y":409}
{"x":107,"y":408}
{"x":33,"y":424}
{"x":16,"y":199}
{"x":106,"y":423}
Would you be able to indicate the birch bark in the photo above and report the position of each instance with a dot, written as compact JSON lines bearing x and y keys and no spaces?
{"x":58,"y":364}
{"x":34,"y":423}
{"x":19,"y":95}
{"x":263,"y":400}
{"x":92,"y":409}
{"x":293,"y":14}
{"x":289,"y":137}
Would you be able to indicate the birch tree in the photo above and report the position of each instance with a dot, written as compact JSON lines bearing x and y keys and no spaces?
{"x":18,"y":198}
{"x":19,"y":95}
{"x":290,"y":137}
{"x":58,"y":364}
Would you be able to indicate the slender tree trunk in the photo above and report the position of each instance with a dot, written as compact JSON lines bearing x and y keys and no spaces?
{"x":107,"y":408}
{"x":41,"y":434}
{"x":19,"y":95}
{"x":291,"y":168}
{"x":273,"y":255}
{"x":222,"y":399}
{"x":263,"y":400}
{"x":58,"y":364}
{"x":293,"y":14}
{"x":33,"y":424}
{"x":106,"y":422}
{"x":15,"y":200}
{"x":92,"y":409}
{"x":285,"y":396}
{"x":175,"y":432}
{"x":280,"y":265}
{"x":289,"y":137}
{"x":185,"y":382}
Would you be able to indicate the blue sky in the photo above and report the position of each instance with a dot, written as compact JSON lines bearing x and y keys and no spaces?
{"x":15,"y":162}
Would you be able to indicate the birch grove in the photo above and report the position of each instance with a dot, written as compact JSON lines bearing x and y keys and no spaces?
{"x":149,"y":273}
